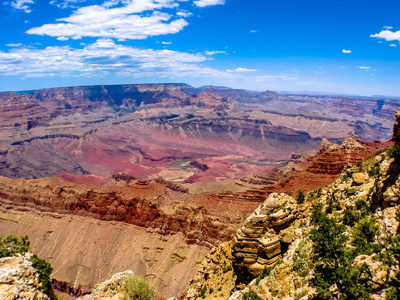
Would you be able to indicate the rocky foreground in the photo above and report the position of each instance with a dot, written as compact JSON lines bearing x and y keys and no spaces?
{"x":19,"y":280}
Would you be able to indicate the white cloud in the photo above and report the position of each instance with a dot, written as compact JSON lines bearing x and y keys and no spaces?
{"x":204,"y":3}
{"x":130,"y":19}
{"x":213,"y":52}
{"x":388,"y":27}
{"x":364,"y":68}
{"x":62,"y":38}
{"x":387,"y":35}
{"x":262,"y":78}
{"x":346,"y":51}
{"x":184,"y":14}
{"x":22,"y":5}
{"x":166,"y":43}
{"x":253,"y":31}
{"x":393,"y":45}
{"x":14,"y":45}
{"x":66,"y":3}
{"x":240,"y":70}
{"x":100,"y":59}
{"x":106,"y":58}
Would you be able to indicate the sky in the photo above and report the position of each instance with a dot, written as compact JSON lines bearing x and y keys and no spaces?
{"x":342,"y":46}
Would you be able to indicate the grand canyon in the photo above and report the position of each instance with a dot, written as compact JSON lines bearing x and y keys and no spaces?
{"x":151,"y":177}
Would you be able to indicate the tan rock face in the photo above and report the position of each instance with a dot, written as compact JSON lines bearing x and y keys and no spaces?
{"x":265,"y":234}
{"x":19,"y":280}
{"x":111,"y":289}
{"x":359,"y":178}
{"x":84,"y":251}
{"x":215,"y":278}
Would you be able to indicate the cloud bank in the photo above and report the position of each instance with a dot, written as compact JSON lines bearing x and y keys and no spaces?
{"x":204,"y":3}
{"x":99,"y":59}
{"x":387,"y":35}
{"x":115,"y":19}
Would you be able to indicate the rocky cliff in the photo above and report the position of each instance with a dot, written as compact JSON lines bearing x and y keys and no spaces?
{"x":279,"y":252}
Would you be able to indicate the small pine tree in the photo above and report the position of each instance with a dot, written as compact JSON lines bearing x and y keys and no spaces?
{"x":364,"y":234}
{"x":334,"y":261}
{"x":300,"y":197}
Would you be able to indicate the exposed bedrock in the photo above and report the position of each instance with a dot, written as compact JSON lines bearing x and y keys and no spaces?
{"x":265,"y":235}
{"x":140,"y":203}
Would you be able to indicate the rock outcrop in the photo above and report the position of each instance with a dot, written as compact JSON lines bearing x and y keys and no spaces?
{"x":215,"y":278}
{"x":265,"y":235}
{"x":19,"y":280}
{"x":111,"y":289}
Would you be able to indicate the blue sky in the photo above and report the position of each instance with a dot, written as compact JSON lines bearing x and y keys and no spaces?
{"x":283,"y":45}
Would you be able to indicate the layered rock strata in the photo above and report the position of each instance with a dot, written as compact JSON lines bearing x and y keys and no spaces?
{"x":265,"y":235}
{"x":140,"y":203}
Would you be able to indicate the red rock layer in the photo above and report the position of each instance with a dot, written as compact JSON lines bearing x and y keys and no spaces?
{"x":320,"y":170}
{"x":315,"y":172}
{"x":140,"y":203}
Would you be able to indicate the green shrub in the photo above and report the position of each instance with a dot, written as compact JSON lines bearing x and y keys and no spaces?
{"x":318,"y":215}
{"x":373,"y":171}
{"x":392,"y":152}
{"x":350,"y":216}
{"x":300,"y":197}
{"x":44,"y":269}
{"x":390,"y":258}
{"x":251,"y":296}
{"x":364,"y":208}
{"x":364,"y":234}
{"x":226,"y":268}
{"x":300,"y":257}
{"x":346,"y":177}
{"x":332,"y":204}
{"x":139,"y":288}
{"x":350,"y":191}
{"x":203,"y":290}
{"x":301,"y":295}
{"x":333,"y":262}
{"x":11,"y":246}
{"x":265,"y":273}
{"x":314,"y":194}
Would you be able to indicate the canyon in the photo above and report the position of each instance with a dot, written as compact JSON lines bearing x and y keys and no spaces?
{"x":162,"y":130}
{"x":151,"y":177}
